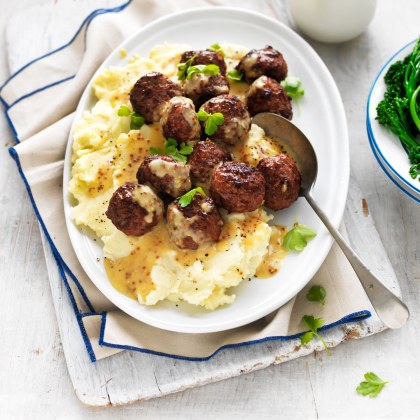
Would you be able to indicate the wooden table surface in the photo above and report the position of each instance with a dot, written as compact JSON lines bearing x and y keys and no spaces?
{"x":33,"y":376}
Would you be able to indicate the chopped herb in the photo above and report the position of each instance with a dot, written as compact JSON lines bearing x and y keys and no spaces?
{"x":207,"y":69}
{"x":218,"y":48}
{"x":313,"y":324}
{"x":183,"y":68}
{"x":186,"y":199}
{"x":173,"y":149}
{"x":316,"y":294}
{"x":212,"y":121}
{"x":372,"y":386}
{"x":297,"y":237}
{"x":235,"y":75}
{"x":292,"y":85}
{"x":137,"y":121}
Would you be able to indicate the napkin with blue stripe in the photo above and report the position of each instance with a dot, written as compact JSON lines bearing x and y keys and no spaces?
{"x":39,"y":100}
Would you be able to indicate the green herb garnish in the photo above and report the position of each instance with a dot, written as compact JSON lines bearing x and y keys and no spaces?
{"x":313,"y":324}
{"x":183,"y":68}
{"x":316,"y":294}
{"x":292,"y":86}
{"x":137,"y":121}
{"x":212,"y":121}
{"x":218,"y":48}
{"x":235,"y":75}
{"x":207,"y":69}
{"x":173,"y":149}
{"x":297,"y":237}
{"x":372,"y":386}
{"x":186,"y":199}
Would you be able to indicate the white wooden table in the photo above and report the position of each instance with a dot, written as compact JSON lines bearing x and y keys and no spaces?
{"x":33,"y":377}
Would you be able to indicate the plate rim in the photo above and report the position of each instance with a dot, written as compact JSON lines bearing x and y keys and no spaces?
{"x":344,"y":181}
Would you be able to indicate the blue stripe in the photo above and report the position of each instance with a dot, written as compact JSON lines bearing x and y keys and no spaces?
{"x":354,"y":317}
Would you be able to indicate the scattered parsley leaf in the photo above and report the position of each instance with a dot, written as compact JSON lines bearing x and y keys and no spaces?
{"x":292,"y":86}
{"x":316,"y":294}
{"x":372,"y":386}
{"x":313,"y":324}
{"x":183,"y":68}
{"x":186,"y":199}
{"x":297,"y":237}
{"x":207,"y":69}
{"x":235,"y":75}
{"x":136,"y":122}
{"x":172,"y":149}
{"x":185,"y":149}
{"x":156,"y":151}
{"x":124,"y":111}
{"x":218,"y":48}
{"x":212,"y":121}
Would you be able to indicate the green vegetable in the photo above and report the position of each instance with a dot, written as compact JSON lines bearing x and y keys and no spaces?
{"x":137,"y":121}
{"x":186,"y":199}
{"x":297,"y":237}
{"x":235,"y":75}
{"x":399,"y":111}
{"x":173,"y":149}
{"x":218,"y":48}
{"x":212,"y":121}
{"x":313,"y":324}
{"x":372,"y":386}
{"x":183,"y":68}
{"x":316,"y":294}
{"x":207,"y":69}
{"x":292,"y":86}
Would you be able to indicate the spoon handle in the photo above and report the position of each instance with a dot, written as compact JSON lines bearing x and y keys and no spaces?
{"x":389,"y":308}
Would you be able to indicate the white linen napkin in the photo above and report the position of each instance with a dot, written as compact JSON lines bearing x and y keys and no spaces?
{"x":39,"y":102}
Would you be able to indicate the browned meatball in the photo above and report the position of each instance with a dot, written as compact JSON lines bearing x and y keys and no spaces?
{"x":194,"y":225}
{"x":204,"y":159}
{"x":237,"y":187}
{"x":282,"y":181}
{"x":201,"y":87}
{"x":165,"y":174}
{"x":237,"y":119}
{"x":267,"y":95}
{"x":150,"y":92}
{"x":179,"y":120}
{"x":266,"y":61}
{"x":135,"y":209}
{"x":205,"y":57}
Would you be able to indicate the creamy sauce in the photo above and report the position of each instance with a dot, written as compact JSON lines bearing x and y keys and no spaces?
{"x":147,"y":199}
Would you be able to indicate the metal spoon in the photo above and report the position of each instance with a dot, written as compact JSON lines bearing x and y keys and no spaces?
{"x":390,"y":309}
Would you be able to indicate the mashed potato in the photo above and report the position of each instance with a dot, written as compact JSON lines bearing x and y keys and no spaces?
{"x":107,"y":154}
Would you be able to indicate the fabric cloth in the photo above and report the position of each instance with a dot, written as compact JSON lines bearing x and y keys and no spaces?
{"x":39,"y":102}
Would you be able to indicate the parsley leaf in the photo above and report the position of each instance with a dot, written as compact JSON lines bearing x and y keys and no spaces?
{"x":212,"y":121}
{"x":313,"y":324}
{"x":235,"y":75}
{"x":217,"y":47}
{"x":207,"y":69}
{"x":172,"y":149}
{"x":292,"y":86}
{"x":183,"y":68}
{"x":297,"y":237}
{"x":316,"y":294}
{"x":136,"y":122}
{"x":186,"y":199}
{"x":372,"y":386}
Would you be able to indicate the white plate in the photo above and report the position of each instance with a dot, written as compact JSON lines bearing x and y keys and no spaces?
{"x":386,"y":147}
{"x":321,"y":117}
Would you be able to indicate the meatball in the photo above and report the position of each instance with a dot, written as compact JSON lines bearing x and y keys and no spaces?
{"x":179,"y":120}
{"x":267,"y":95}
{"x":204,"y":159}
{"x":266,"y":61}
{"x":135,"y":209}
{"x":282,"y":181}
{"x":237,"y":119}
{"x":150,"y":92}
{"x":237,"y":187}
{"x":205,"y":57}
{"x":201,"y":87}
{"x":165,"y":174}
{"x":194,"y":225}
